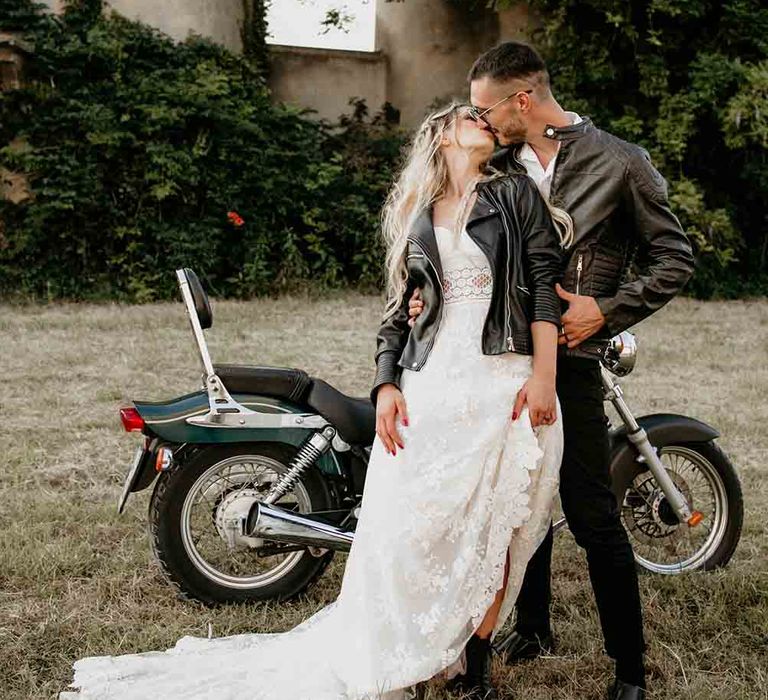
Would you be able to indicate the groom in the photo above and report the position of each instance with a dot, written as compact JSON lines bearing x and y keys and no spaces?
{"x":618,"y":202}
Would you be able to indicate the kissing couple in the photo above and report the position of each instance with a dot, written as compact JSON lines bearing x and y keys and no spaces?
{"x":509,"y":233}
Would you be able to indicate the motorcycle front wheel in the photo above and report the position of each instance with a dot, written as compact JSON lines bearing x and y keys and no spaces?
{"x":189,"y":547}
{"x":708,"y":480}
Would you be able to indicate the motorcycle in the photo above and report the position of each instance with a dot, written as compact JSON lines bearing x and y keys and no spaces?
{"x":259,"y":475}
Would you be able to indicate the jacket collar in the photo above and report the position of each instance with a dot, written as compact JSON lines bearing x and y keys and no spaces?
{"x":508,"y":157}
{"x":570,"y":131}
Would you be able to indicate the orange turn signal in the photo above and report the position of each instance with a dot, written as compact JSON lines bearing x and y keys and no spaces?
{"x":164,"y":459}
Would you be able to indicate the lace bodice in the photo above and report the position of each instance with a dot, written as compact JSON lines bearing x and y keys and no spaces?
{"x":466,"y":272}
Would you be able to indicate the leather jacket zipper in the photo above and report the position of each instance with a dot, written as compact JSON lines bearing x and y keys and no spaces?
{"x":578,"y":272}
{"x":510,"y":342}
{"x":514,"y":157}
{"x":442,"y":304}
{"x":507,"y":325}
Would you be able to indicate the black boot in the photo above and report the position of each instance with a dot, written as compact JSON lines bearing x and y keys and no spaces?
{"x":476,"y":681}
{"x":517,"y":647}
{"x":624,"y":691}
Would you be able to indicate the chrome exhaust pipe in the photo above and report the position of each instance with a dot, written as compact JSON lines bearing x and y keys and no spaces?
{"x":272,"y":523}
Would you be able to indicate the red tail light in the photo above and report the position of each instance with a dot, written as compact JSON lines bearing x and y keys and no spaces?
{"x":132,"y":421}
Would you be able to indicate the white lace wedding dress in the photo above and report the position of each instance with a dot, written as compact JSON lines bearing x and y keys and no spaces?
{"x":436,"y":523}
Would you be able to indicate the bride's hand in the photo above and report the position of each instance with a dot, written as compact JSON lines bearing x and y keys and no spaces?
{"x":539,"y":394}
{"x":389,"y":403}
{"x":415,"y":306}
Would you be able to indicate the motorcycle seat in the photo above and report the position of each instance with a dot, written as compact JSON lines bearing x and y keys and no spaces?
{"x":354,"y":418}
{"x":281,"y":382}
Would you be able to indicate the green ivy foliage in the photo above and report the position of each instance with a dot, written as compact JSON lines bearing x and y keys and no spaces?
{"x":687,"y":79}
{"x":137,"y":148}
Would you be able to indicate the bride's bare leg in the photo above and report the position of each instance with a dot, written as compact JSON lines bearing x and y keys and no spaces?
{"x":492,"y":614}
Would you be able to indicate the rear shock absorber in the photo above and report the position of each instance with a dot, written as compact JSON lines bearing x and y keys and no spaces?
{"x":313,"y":447}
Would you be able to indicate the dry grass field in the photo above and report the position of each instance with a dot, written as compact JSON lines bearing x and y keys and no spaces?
{"x":76,"y":579}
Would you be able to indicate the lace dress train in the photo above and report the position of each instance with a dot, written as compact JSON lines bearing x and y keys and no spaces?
{"x":437,"y":522}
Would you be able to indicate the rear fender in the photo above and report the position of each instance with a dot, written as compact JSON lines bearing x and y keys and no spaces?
{"x":166,"y":423}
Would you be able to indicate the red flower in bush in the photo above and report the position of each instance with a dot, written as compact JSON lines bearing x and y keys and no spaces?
{"x":235,"y":218}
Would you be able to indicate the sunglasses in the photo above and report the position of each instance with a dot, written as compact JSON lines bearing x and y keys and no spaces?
{"x":477,"y":115}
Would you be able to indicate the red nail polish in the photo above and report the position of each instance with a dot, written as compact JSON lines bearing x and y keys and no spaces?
{"x":514,"y":415}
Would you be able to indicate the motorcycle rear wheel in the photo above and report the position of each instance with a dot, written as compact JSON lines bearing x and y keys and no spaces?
{"x":709,"y":481}
{"x":191,"y":552}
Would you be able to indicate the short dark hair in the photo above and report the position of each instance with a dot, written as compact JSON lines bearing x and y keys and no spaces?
{"x":509,"y":60}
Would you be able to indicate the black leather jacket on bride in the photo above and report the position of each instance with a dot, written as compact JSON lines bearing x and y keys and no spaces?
{"x":524,"y":253}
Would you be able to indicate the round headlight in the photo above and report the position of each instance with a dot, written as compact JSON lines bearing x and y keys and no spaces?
{"x":620,"y":354}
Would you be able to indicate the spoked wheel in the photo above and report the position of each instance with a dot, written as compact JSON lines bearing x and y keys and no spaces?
{"x":708,"y":480}
{"x":188,"y":533}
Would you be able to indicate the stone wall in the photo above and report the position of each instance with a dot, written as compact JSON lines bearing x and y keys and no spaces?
{"x":218,"y":19}
{"x":431,"y":44}
{"x":326,"y":79}
{"x":13,"y":54}
{"x":424,"y":49}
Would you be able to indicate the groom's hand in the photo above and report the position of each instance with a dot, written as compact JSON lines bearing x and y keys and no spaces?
{"x":415,"y":306}
{"x":582,"y":319}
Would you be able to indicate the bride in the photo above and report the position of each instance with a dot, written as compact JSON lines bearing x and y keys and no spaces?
{"x":462,"y":473}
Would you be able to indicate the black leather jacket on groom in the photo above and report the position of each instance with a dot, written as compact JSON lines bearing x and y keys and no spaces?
{"x":524,"y":253}
{"x":618,"y":202}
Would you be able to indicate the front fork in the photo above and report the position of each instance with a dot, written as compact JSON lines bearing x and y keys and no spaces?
{"x":646,"y":454}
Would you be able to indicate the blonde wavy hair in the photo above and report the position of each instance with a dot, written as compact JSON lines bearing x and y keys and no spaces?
{"x":422,"y":180}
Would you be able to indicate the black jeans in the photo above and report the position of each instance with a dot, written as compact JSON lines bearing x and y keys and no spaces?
{"x":593,"y":517}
